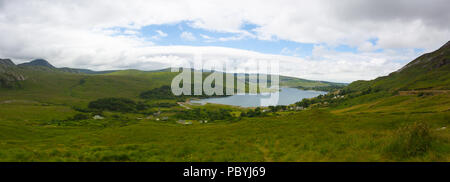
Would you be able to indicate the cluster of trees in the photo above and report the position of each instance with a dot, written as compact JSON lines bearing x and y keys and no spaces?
{"x":117,"y":104}
{"x":163,"y":104}
{"x":277,"y":108}
{"x":204,"y":114}
{"x":253,"y":113}
{"x":304,"y":103}
{"x":163,"y":92}
{"x":335,"y":98}
{"x":80,"y":116}
{"x":322,"y":99}
{"x":330,"y":88}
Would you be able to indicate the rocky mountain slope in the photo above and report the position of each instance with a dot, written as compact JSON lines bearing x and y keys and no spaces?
{"x":431,"y":71}
{"x":10,"y":74}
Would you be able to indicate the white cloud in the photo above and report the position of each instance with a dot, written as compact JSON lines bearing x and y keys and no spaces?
{"x":187,"y":36}
{"x":161,"y":33}
{"x":81,"y":33}
{"x":131,"y":32}
{"x":205,"y":37}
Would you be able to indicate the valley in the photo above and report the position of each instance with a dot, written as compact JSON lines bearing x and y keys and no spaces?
{"x":50,"y":114}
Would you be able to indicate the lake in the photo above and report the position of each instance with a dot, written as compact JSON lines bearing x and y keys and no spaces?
{"x":286,"y":96}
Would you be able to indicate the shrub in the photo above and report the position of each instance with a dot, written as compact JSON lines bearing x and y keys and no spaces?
{"x":204,"y":114}
{"x":79,"y":109}
{"x":142,"y":106}
{"x":78,"y":117}
{"x":412,"y":140}
{"x":163,"y":104}
{"x":163,"y":92}
{"x":114,"y":104}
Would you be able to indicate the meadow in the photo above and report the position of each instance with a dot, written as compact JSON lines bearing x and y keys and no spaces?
{"x":317,"y":134}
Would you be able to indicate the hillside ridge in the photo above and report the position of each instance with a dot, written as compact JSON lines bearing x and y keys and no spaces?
{"x":38,"y":62}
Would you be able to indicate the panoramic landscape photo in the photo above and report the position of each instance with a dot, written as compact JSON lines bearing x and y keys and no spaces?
{"x":224,"y":81}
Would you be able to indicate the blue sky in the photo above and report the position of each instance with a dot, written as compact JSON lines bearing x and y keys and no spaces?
{"x":172,"y":35}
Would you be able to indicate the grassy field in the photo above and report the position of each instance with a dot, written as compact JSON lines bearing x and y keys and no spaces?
{"x":376,"y":124}
{"x":28,"y":132}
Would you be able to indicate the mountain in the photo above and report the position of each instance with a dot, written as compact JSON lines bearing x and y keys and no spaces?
{"x":84,"y":71}
{"x":421,"y":86}
{"x":10,"y":75}
{"x":431,"y":71}
{"x":42,"y":63}
{"x":430,"y":61}
{"x":38,"y":62}
{"x":6,"y":62}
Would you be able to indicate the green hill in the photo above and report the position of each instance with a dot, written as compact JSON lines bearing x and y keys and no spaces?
{"x":42,"y":82}
{"x":427,"y":75}
{"x":428,"y":72}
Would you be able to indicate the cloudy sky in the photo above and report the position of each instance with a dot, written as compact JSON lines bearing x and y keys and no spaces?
{"x":331,"y":40}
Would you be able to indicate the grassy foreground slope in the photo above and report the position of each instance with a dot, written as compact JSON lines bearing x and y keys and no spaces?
{"x":311,"y":135}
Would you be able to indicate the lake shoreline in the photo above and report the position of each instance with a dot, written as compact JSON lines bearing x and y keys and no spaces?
{"x":287,"y":96}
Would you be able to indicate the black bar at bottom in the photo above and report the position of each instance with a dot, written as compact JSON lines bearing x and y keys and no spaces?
{"x":223,"y":170}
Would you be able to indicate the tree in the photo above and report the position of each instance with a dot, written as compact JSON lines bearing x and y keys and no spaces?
{"x":114,"y":104}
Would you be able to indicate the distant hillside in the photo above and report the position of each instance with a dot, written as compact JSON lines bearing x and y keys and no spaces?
{"x":38,"y":62}
{"x":39,"y":80}
{"x":285,"y":81}
{"x":84,"y":71}
{"x":430,"y":71}
{"x":44,"y":64}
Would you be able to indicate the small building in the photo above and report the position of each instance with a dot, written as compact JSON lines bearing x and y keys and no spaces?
{"x":98,"y":117}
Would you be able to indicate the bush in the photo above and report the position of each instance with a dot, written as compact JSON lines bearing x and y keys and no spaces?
{"x":79,"y":109}
{"x":412,"y":140}
{"x":114,"y":104}
{"x":140,"y":106}
{"x":163,"y":104}
{"x":78,"y":117}
{"x":204,"y":114}
{"x":163,"y":92}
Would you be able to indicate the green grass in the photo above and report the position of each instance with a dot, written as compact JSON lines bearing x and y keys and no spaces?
{"x":35,"y":125}
{"x":313,"y":135}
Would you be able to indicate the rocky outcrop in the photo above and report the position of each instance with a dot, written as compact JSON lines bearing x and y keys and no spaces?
{"x":10,"y":75}
{"x":6,"y":62}
{"x":431,"y":61}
